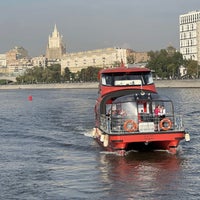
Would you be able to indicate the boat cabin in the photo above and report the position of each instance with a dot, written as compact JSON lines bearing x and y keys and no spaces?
{"x":125,"y":78}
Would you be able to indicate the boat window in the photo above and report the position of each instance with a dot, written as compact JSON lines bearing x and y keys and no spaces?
{"x":128,"y":80}
{"x":103,"y":81}
{"x":125,"y":109}
{"x":148,"y":78}
{"x":130,"y":108}
{"x":122,"y":79}
{"x":106,"y":79}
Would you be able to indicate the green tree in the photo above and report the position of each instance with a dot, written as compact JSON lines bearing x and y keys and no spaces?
{"x":67,"y":74}
{"x":192,"y":68}
{"x":89,"y":74}
{"x":165,"y":64}
{"x":54,"y":72}
{"x":130,"y":59}
{"x":40,"y":74}
{"x":116,"y":64}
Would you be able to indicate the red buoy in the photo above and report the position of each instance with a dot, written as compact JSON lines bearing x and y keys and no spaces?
{"x":30,"y":98}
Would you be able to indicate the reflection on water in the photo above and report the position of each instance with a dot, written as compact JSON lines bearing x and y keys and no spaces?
{"x":151,"y":172}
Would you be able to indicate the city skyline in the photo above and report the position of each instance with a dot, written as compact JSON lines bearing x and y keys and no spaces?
{"x":87,"y":25}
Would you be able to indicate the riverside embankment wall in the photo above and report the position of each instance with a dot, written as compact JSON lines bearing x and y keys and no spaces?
{"x":159,"y":84}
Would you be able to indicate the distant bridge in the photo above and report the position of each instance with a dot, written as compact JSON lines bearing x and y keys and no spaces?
{"x":8,"y":78}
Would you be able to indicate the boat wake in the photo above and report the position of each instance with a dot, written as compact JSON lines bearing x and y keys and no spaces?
{"x":88,"y":133}
{"x":109,"y":153}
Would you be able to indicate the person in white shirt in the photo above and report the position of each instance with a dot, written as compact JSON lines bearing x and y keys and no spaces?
{"x":162,"y":112}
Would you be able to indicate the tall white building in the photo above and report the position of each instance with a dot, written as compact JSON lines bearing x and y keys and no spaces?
{"x":189,"y":25}
{"x":56,"y":47}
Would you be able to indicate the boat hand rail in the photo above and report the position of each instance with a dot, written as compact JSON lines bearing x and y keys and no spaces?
{"x":131,"y":124}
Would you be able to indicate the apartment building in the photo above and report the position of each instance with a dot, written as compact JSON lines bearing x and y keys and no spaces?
{"x":101,"y":58}
{"x":189,"y":28}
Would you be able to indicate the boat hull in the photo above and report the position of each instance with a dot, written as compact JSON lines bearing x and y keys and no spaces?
{"x":122,"y":143}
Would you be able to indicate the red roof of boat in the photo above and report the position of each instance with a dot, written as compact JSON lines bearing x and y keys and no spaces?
{"x":125,"y":69}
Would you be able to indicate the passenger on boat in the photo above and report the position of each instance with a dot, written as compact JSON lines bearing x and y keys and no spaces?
{"x":120,"y":110}
{"x":117,"y":116}
{"x":156,"y":118}
{"x":157,"y":111}
{"x":162,"y":112}
{"x":111,"y":110}
{"x":116,"y":111}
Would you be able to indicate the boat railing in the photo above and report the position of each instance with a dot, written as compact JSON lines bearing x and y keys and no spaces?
{"x":147,"y":123}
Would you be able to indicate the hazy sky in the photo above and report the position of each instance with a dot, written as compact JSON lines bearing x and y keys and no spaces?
{"x":141,"y":25}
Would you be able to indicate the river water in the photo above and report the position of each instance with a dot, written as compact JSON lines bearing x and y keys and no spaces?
{"x":47,"y":152}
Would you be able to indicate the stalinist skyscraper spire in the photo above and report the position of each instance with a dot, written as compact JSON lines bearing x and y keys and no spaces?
{"x":55,"y":48}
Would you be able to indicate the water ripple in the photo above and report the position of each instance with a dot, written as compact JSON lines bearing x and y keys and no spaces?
{"x":47,"y":152}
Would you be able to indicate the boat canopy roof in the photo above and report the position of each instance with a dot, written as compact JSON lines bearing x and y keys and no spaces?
{"x":141,"y":96}
{"x":125,"y":70}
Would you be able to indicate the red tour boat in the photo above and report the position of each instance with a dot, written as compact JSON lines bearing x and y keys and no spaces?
{"x":131,"y":115}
